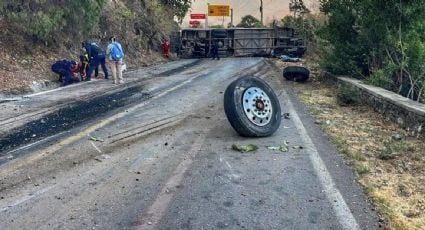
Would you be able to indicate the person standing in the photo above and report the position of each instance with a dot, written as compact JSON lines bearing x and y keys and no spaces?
{"x":214,"y":50}
{"x":97,"y":57}
{"x":115,"y":57}
{"x":166,"y":48}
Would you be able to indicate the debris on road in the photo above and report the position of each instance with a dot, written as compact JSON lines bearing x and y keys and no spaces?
{"x":287,"y":58}
{"x":252,"y":107}
{"x":296,"y":73}
{"x":286,"y":116}
{"x":102,"y":157}
{"x":282,"y":148}
{"x":95,"y":139}
{"x":245,"y":148}
{"x":297,"y":147}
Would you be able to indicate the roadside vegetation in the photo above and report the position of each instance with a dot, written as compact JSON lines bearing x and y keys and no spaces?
{"x":380,"y":42}
{"x":388,"y":161}
{"x":36,"y":33}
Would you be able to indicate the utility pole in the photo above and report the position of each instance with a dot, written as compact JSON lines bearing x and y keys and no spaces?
{"x":206,"y":16}
{"x":261,"y":11}
{"x":231,"y":17}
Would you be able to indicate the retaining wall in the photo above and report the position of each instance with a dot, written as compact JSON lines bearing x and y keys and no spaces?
{"x":407,"y":113}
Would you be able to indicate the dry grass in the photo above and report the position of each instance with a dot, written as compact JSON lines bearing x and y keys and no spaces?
{"x":392,"y":171}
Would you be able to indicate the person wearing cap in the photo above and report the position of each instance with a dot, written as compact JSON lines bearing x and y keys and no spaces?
{"x":96,"y":57}
{"x":65,"y":69}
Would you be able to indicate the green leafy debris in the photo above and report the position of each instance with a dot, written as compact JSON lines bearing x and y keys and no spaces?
{"x":282,"y":148}
{"x":245,"y":148}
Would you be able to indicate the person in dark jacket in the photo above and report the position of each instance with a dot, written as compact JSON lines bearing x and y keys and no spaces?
{"x":214,"y":50}
{"x":97,"y":57}
{"x":65,"y":70}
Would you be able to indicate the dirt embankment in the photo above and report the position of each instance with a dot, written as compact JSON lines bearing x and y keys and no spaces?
{"x":25,"y":62}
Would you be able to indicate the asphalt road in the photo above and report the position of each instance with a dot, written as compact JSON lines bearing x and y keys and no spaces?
{"x":166,"y":163}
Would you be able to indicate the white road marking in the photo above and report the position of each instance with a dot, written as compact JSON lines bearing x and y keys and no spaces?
{"x":37,"y":142}
{"x":232,"y":173}
{"x":156,"y":211}
{"x":52,"y":149}
{"x":97,"y":149}
{"x":26,"y":198}
{"x":343,"y":213}
{"x":57,"y":89}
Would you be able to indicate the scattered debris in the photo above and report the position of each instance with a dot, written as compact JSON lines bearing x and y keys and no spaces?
{"x":318,"y":122}
{"x":95,"y":139}
{"x":297,"y":147}
{"x":282,"y":148}
{"x":102,"y":157}
{"x":287,"y":58}
{"x":286,"y":116}
{"x":396,"y":137}
{"x":166,"y":144}
{"x":296,"y":73}
{"x":245,"y":148}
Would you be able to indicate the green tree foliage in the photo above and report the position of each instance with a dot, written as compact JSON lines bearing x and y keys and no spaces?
{"x":298,"y":8}
{"x":43,"y":19}
{"x":305,"y":23}
{"x":179,"y":7}
{"x":249,"y":21}
{"x":377,"y":38}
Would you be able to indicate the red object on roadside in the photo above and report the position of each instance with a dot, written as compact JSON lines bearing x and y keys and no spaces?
{"x":194,"y":23}
{"x":166,"y":48}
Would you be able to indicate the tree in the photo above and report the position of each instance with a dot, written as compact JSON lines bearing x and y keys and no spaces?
{"x":179,"y":7}
{"x":249,"y":21}
{"x":298,"y":8}
{"x":384,"y":43}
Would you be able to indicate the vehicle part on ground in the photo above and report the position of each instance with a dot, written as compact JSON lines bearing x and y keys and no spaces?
{"x":252,"y":107}
{"x":296,"y":73}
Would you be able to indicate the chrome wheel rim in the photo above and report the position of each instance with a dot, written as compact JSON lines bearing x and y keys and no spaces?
{"x":257,"y":106}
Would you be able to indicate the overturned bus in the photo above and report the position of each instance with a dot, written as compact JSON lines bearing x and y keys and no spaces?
{"x":239,"y":42}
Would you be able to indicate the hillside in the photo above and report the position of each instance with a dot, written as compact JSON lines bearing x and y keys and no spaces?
{"x":36,"y":34}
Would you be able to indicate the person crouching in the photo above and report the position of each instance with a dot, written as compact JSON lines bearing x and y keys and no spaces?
{"x":65,"y":70}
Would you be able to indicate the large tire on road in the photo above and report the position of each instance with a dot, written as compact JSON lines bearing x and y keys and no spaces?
{"x":252,"y":107}
{"x":296,"y":73}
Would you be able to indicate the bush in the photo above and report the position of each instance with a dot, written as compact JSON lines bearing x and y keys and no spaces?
{"x":394,"y":148}
{"x":381,"y":78}
{"x":347,"y":95}
{"x":44,"y":20}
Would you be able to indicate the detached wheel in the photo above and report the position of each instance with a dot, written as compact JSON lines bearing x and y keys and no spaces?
{"x":296,"y":73}
{"x":252,"y":107}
